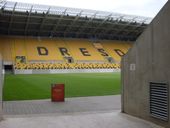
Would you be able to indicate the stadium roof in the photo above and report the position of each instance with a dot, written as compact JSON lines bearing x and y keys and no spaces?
{"x":51,"y":21}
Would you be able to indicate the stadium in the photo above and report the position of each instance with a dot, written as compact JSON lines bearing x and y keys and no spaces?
{"x":39,"y":39}
{"x":93,"y":53}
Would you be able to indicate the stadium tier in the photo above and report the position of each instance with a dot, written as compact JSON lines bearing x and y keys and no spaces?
{"x":62,"y":53}
{"x":49,"y":37}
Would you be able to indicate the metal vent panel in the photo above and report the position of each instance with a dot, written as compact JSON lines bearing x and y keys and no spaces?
{"x":159,"y":100}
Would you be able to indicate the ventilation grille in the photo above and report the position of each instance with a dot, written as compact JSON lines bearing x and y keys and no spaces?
{"x":159,"y":100}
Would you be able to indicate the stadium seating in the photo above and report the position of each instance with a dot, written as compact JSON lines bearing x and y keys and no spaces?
{"x":42,"y":50}
{"x":5,"y":49}
{"x":36,"y":53}
{"x":116,"y":49}
{"x":83,"y":50}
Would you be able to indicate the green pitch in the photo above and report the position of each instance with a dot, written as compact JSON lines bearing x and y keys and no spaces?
{"x":27,"y":87}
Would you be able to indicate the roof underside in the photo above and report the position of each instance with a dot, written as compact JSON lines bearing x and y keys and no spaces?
{"x":48,"y":21}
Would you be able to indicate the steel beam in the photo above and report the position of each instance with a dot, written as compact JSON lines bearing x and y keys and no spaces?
{"x":11,"y":18}
{"x":28,"y":19}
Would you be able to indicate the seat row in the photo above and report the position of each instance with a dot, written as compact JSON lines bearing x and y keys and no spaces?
{"x":66,"y":66}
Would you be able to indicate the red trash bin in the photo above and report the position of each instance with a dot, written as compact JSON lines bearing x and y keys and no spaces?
{"x":57,"y":93}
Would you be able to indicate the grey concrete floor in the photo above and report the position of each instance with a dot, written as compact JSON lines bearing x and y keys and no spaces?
{"x":80,"y":120}
{"x":83,"y":112}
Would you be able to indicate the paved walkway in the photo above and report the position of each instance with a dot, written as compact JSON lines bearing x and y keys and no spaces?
{"x":71,"y":105}
{"x":91,"y":112}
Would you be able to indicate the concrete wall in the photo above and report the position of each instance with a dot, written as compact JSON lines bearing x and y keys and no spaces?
{"x":54,"y":71}
{"x":147,"y":61}
{"x":1,"y":86}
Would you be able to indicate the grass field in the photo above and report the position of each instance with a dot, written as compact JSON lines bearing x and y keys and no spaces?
{"x":26,"y":87}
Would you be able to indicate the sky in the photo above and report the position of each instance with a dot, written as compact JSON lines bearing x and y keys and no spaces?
{"x":147,"y":8}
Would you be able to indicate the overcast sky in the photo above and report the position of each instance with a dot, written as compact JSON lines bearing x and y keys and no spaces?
{"x":148,"y":8}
